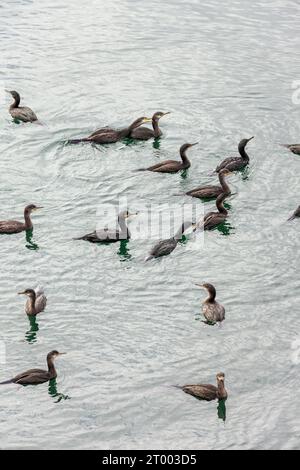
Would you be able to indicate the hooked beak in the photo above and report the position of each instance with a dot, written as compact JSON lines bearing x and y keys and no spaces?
{"x":165,"y":114}
{"x":62,"y":354}
{"x":251,"y":138}
{"x":8,"y":91}
{"x":38,"y":208}
{"x":193,"y":145}
{"x":22,"y":293}
{"x":133,"y":214}
{"x":199,"y":285}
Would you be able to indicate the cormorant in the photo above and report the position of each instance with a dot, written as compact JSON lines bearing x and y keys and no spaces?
{"x":172,"y":166}
{"x":209,"y":191}
{"x":36,"y":302}
{"x":144,"y":133}
{"x":13,"y":226}
{"x":20,"y":113}
{"x":37,"y":376}
{"x":236,"y":163}
{"x":208,"y":392}
{"x":166,"y":247}
{"x":212,"y":310}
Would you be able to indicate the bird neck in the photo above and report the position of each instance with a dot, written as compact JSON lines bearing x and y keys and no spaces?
{"x":156,"y":129}
{"x":31,"y":303}
{"x":223,"y":182}
{"x":123,"y":226}
{"x":28,"y":223}
{"x":184,"y":158}
{"x":16,"y":102}
{"x":51,"y":368}
{"x":220,"y":204}
{"x":211,"y":296}
{"x":243,"y":153}
{"x":221,"y":389}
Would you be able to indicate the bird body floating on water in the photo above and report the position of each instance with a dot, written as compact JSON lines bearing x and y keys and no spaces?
{"x":36,"y":302}
{"x":210,"y":191}
{"x":20,"y":113}
{"x":295,"y":214}
{"x":13,"y":226}
{"x":144,"y":133}
{"x":37,"y":376}
{"x":111,"y":236}
{"x":294,"y":148}
{"x":172,"y":166}
{"x":166,"y":247}
{"x":212,"y":310}
{"x":213,"y":219}
{"x":236,"y":163}
{"x":107,"y":135}
{"x":208,"y":392}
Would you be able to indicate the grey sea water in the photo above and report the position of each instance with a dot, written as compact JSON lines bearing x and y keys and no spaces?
{"x":226,"y":70}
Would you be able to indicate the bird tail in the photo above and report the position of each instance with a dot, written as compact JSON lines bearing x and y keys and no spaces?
{"x":287,"y":146}
{"x":6,"y":382}
{"x":149,"y":258}
{"x":140,"y":169}
{"x":77,"y":141}
{"x":291,"y":218}
{"x":177,"y":386}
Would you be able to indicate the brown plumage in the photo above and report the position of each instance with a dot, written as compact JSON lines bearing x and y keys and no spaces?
{"x":20,"y":113}
{"x":213,"y":219}
{"x":37,"y":376}
{"x":208,"y":392}
{"x":110,"y":136}
{"x":13,"y":226}
{"x":209,"y":191}
{"x":36,"y":302}
{"x":236,"y":163}
{"x":172,"y":166}
{"x":212,"y":310}
{"x":144,"y":133}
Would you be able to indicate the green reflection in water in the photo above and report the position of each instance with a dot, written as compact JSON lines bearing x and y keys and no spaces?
{"x":222,"y":410}
{"x":52,"y":390}
{"x":31,"y":334}
{"x":31,"y":245}
{"x":124,"y":252}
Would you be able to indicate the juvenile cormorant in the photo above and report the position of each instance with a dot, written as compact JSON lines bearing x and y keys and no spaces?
{"x":110,"y":136}
{"x":37,"y":376}
{"x":166,"y":247}
{"x":13,"y":226}
{"x":295,"y":148}
{"x":20,"y":113}
{"x":236,"y":163}
{"x":172,"y":166}
{"x":295,"y":214}
{"x":212,"y":310}
{"x":208,"y":392}
{"x":210,"y":191}
{"x":111,"y":236}
{"x":36,"y":302}
{"x":213,"y":219}
{"x":144,"y":133}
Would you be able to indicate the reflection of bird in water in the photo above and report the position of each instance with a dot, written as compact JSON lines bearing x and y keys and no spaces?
{"x":213,"y":219}
{"x":166,"y":247}
{"x":295,"y":214}
{"x":36,"y":302}
{"x":212,"y":310}
{"x":13,"y":226}
{"x":208,"y":392}
{"x":111,"y":236}
{"x":295,"y":148}
{"x":31,"y":335}
{"x":144,"y":133}
{"x":236,"y":163}
{"x":172,"y":166}
{"x":37,"y":376}
{"x":20,"y":113}
{"x":110,"y":136}
{"x":210,"y":191}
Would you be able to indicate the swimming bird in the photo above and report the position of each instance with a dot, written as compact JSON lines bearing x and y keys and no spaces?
{"x":172,"y":166}
{"x":144,"y":133}
{"x":210,"y":191}
{"x":111,"y":236}
{"x":107,"y":135}
{"x":208,"y":392}
{"x":295,"y":148}
{"x":13,"y":226}
{"x":213,"y":219}
{"x":295,"y":214}
{"x":212,"y":310}
{"x":20,"y":113}
{"x":36,"y":302}
{"x":37,"y":376}
{"x":237,"y":163}
{"x":166,"y":247}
